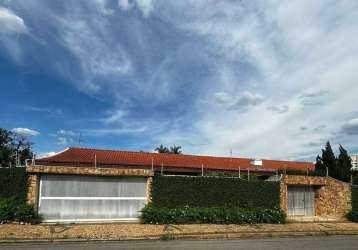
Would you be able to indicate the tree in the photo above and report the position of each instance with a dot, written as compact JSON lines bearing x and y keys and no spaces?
{"x":175,"y":149}
{"x":161,"y":149}
{"x":344,"y":164}
{"x":329,"y":160}
{"x":339,"y":168}
{"x":14,"y":147}
{"x":5,"y":147}
{"x":320,"y":169}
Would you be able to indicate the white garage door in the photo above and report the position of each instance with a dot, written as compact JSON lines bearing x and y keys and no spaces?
{"x":301,"y":201}
{"x":86,"y":198}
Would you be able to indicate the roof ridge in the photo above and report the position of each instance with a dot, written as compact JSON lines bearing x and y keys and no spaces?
{"x":169,"y":154}
{"x":182,"y":155}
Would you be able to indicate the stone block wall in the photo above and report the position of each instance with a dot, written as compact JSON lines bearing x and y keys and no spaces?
{"x":88,"y":171}
{"x":332,"y":197}
{"x":32,"y":190}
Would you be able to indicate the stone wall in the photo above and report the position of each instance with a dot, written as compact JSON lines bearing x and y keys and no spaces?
{"x":32,"y":191}
{"x":88,"y":171}
{"x":332,"y":197}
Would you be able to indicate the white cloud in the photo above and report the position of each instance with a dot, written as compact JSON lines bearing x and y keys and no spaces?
{"x":114,"y":131}
{"x":125,"y":4}
{"x":313,"y":98}
{"x":145,"y":6}
{"x":278,"y":109}
{"x":300,"y":53}
{"x":242,"y":101}
{"x":264,"y":58}
{"x":64,"y":132}
{"x":351,"y":127}
{"x":25,"y":131}
{"x":115,"y":117}
{"x":10,"y":23}
{"x":64,"y":140}
{"x":101,"y":60}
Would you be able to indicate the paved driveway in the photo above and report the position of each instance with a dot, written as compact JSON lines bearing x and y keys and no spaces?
{"x":304,"y":243}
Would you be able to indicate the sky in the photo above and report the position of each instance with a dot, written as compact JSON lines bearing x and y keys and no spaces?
{"x":261,"y":79}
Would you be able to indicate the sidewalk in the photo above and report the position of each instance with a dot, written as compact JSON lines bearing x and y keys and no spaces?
{"x":117,"y":231}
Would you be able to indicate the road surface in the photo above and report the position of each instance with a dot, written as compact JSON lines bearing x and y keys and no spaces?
{"x":302,"y":243}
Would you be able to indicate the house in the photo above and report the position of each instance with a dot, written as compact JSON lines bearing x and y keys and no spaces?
{"x":80,"y":184}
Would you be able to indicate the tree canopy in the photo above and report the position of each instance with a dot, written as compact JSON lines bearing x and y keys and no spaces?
{"x":172,"y":150}
{"x":338,"y":167}
{"x":14,"y":148}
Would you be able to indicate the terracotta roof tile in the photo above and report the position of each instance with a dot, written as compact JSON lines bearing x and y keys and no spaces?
{"x":76,"y":156}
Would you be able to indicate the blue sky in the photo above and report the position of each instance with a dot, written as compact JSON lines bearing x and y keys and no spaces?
{"x":272,"y":79}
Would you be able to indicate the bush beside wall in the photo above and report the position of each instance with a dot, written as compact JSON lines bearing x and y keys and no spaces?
{"x":13,"y":191}
{"x":177,"y":191}
{"x":218,"y":215}
{"x":15,"y":210}
{"x":353,"y":215}
{"x":355,"y":198}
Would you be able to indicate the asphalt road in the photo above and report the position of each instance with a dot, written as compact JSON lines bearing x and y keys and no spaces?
{"x":304,"y":243}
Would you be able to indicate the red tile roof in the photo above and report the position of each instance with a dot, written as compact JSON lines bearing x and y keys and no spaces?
{"x":85,"y":156}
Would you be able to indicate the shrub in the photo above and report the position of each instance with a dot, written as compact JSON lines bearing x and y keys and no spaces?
{"x":14,"y":210}
{"x":26,"y":213}
{"x":353,"y":216}
{"x":177,"y":191}
{"x":7,"y":210}
{"x":218,"y":215}
{"x":355,"y":198}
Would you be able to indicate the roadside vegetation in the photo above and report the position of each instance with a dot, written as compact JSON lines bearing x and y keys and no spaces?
{"x":196,"y":200}
{"x":339,"y":167}
{"x":353,"y":215}
{"x":14,"y":150}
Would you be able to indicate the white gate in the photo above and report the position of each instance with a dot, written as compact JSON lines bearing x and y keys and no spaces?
{"x":91,"y":198}
{"x":300,"y":201}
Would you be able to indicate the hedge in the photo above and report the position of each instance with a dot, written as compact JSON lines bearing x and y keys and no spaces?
{"x":355,"y":180}
{"x":13,"y":191}
{"x":177,"y":191}
{"x":14,"y":210}
{"x":353,"y":215}
{"x":13,"y":183}
{"x":355,"y":198}
{"x":218,"y":215}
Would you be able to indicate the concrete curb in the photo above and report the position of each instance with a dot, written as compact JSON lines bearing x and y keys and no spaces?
{"x":198,"y":236}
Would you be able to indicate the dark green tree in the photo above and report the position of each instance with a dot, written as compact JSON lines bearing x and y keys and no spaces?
{"x":175,"y":149}
{"x":161,"y":149}
{"x":344,"y":165}
{"x":320,"y":169}
{"x":172,"y":150}
{"x":5,"y":147}
{"x":14,"y":148}
{"x":329,"y":160}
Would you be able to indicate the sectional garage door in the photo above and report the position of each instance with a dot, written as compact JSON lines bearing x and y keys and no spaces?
{"x":86,"y":198}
